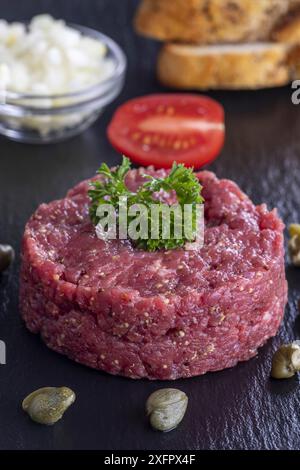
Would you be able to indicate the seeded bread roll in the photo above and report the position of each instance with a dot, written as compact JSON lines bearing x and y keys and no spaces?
{"x":242,"y":66}
{"x":210,"y":22}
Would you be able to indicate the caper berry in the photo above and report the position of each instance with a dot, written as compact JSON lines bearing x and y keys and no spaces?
{"x":7,"y":256}
{"x":286,"y":361}
{"x":47,"y":405}
{"x":294,"y":229}
{"x":294,"y":250}
{"x":166,"y":408}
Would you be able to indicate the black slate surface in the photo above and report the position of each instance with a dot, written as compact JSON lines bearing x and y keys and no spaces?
{"x":240,"y":408}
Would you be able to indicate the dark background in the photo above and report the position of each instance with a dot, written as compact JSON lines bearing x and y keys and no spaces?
{"x":240,"y":408}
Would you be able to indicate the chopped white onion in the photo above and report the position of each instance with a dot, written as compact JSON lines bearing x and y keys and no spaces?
{"x":51,"y":54}
{"x":49,"y":58}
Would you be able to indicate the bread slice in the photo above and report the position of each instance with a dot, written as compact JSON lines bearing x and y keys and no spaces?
{"x":289,"y":29}
{"x":210,"y":22}
{"x":242,"y":66}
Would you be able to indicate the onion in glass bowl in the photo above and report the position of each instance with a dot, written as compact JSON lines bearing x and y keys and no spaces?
{"x":52,"y":94}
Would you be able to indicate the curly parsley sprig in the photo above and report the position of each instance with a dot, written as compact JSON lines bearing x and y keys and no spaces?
{"x":181,"y":180}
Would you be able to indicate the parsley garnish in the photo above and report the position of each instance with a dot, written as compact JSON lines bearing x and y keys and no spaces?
{"x":182,"y":180}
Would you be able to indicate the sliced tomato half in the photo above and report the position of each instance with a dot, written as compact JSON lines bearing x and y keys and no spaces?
{"x":160,"y":129}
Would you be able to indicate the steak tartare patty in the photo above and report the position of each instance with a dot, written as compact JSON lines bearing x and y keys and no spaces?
{"x":159,"y":315}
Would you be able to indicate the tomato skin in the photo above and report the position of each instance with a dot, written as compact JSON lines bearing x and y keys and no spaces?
{"x":160,"y":129}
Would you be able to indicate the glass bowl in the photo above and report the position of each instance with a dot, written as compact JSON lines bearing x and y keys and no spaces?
{"x":42,"y":119}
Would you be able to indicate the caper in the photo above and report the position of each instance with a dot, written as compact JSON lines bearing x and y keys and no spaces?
{"x":7,"y":256}
{"x":166,"y":408}
{"x":294,"y":229}
{"x":294,"y":250}
{"x":47,"y":405}
{"x":286,"y":361}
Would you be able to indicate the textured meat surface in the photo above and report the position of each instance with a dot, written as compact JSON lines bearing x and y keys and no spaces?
{"x":161,"y":315}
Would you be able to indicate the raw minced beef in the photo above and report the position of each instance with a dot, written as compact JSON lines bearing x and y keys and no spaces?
{"x":161,"y":315}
